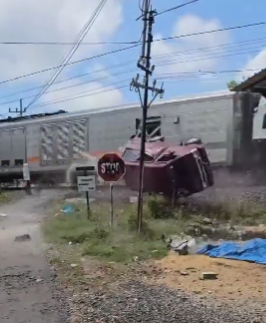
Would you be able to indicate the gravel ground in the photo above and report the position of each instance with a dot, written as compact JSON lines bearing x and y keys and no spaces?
{"x":138,"y":302}
{"x":234,"y":188}
{"x":28,"y":287}
{"x":251,"y":194}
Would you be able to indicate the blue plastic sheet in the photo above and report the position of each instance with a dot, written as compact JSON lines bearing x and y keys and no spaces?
{"x":252,"y":251}
{"x":68,"y":209}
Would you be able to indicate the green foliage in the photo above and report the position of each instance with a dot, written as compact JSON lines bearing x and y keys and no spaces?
{"x":159,"y":208}
{"x":122,"y":242}
{"x":231,"y":84}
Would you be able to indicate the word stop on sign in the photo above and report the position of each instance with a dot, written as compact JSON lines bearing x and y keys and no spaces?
{"x":110,"y":168}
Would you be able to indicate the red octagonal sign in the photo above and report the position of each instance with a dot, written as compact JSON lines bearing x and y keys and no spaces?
{"x":111,"y":167}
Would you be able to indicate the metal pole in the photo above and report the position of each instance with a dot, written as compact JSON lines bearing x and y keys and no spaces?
{"x":111,"y":204}
{"x":147,"y":18}
{"x":87,"y":200}
{"x":20,"y":108}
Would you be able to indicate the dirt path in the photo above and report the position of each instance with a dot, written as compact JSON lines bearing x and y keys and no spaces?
{"x":27,"y":293}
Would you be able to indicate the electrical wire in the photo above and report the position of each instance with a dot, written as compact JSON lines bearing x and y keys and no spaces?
{"x":58,"y":43}
{"x":73,"y":50}
{"x":175,"y":8}
{"x":160,"y":76}
{"x":256,"y":24}
{"x":125,"y":49}
{"x":69,"y":64}
{"x":173,"y":62}
{"x":84,"y":94}
{"x":133,"y":42}
{"x":105,"y":89}
{"x":99,"y":79}
{"x":179,"y":76}
{"x":224,"y":47}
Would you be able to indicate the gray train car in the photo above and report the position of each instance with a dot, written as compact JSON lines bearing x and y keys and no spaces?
{"x":51,"y":144}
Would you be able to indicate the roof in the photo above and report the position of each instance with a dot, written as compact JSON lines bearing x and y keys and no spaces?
{"x":33,"y":116}
{"x":63,"y":115}
{"x":253,"y":84}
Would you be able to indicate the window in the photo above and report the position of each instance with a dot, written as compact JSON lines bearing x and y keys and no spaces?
{"x":167,"y":157}
{"x":153,"y":125}
{"x":132,"y":155}
{"x":264,"y":122}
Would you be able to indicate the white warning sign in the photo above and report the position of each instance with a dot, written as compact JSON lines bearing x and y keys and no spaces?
{"x":86,"y":183}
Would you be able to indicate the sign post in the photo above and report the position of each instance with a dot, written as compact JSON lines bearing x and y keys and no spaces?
{"x":26,"y":178}
{"x":111,"y":204}
{"x":86,"y":183}
{"x":111,"y":168}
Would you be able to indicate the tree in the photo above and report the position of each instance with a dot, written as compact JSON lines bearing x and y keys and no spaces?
{"x":231,"y":84}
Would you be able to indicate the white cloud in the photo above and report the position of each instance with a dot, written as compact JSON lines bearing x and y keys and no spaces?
{"x":254,"y":65}
{"x":54,"y":20}
{"x":190,"y":54}
{"x":50,"y":20}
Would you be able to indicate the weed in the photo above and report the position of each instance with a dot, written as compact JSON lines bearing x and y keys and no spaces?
{"x":122,"y":242}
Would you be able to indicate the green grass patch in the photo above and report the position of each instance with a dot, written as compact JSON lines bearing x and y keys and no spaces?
{"x":6,"y":197}
{"x":122,"y":243}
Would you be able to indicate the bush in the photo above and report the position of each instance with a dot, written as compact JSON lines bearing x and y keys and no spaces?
{"x":159,"y":208}
{"x":132,"y":221}
{"x":100,"y":233}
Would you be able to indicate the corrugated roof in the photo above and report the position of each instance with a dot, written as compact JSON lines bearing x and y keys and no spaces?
{"x":251,"y":82}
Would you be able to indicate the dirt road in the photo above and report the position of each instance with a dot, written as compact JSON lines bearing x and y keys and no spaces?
{"x":27,"y":291}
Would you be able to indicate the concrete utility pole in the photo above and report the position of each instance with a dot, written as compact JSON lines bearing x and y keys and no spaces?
{"x":20,"y":111}
{"x":144,"y":63}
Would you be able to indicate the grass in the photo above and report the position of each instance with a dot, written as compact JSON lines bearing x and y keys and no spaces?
{"x":6,"y":197}
{"x":121,"y":243}
{"x":88,"y":253}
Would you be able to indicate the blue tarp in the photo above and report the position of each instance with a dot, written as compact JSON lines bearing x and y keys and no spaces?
{"x":68,"y":209}
{"x":253,"y":251}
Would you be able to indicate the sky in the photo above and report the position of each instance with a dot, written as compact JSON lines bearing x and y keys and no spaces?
{"x":186,"y":66}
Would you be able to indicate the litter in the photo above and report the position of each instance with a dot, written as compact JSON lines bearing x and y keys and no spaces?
{"x":252,"y":251}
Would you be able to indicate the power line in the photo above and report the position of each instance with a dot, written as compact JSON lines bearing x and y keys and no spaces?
{"x":175,"y":8}
{"x":127,"y":48}
{"x":135,"y":42}
{"x":71,"y":86}
{"x":69,"y":79}
{"x":84,"y":94}
{"x":164,"y":76}
{"x":168,"y":79}
{"x":66,"y":60}
{"x":69,"y":64}
{"x":173,"y":62}
{"x":223,"y":46}
{"x":58,"y":43}
{"x":169,"y":62}
{"x":211,"y":31}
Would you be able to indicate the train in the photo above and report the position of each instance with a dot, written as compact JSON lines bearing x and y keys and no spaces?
{"x":53,"y":143}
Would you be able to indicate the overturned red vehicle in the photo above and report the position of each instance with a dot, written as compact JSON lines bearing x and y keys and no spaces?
{"x":171,"y":170}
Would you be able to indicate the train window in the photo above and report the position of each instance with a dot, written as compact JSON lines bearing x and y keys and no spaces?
{"x":153,"y":125}
{"x":19,"y":162}
{"x":5,"y":163}
{"x":264,"y":122}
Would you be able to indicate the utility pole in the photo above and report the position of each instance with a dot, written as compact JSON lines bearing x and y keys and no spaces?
{"x":20,"y":111}
{"x":144,"y":63}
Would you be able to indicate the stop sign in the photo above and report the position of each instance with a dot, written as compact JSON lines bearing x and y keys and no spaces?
{"x":111,"y":167}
